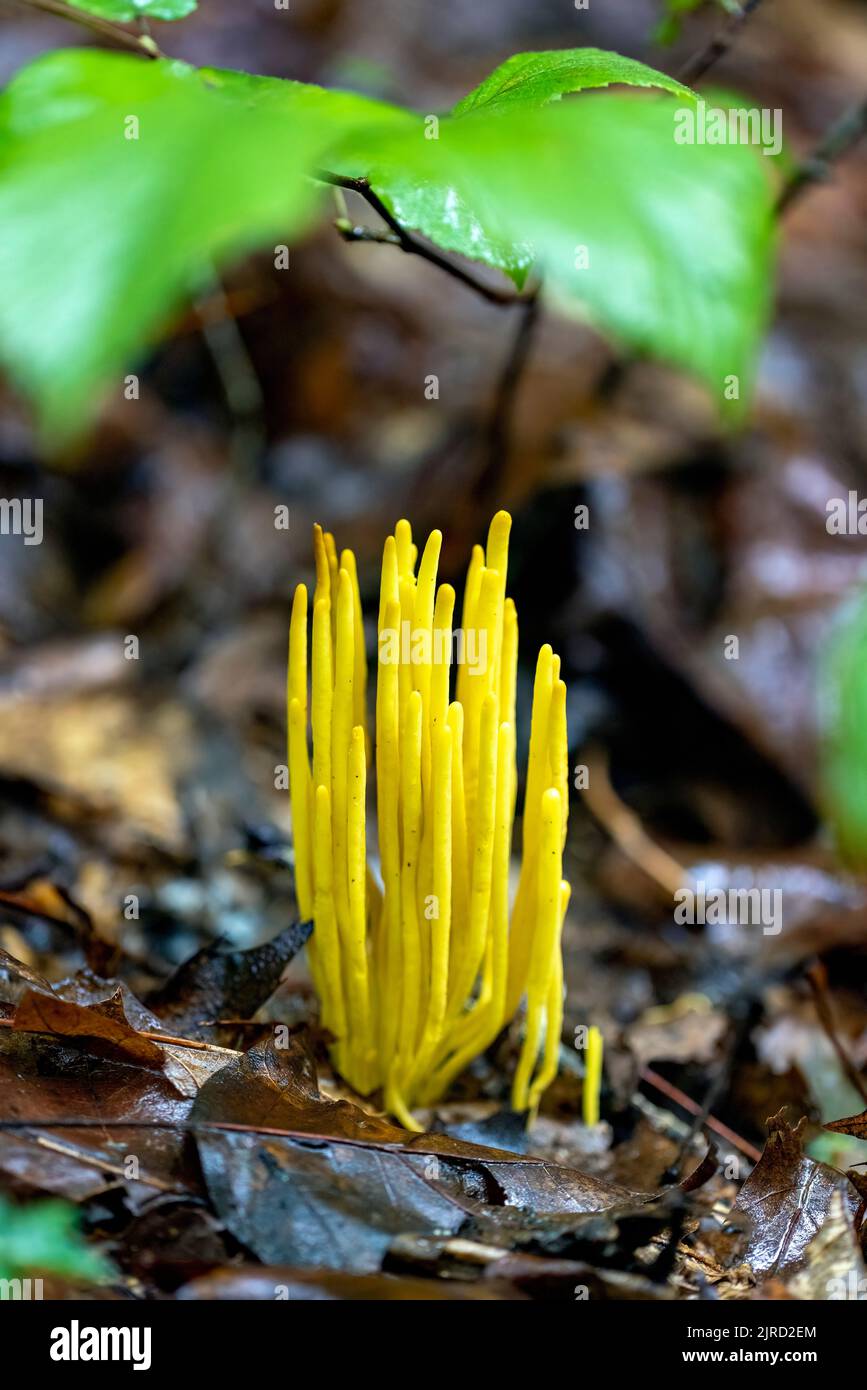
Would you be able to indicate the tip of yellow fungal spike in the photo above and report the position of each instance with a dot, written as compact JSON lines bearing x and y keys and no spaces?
{"x":501,"y":525}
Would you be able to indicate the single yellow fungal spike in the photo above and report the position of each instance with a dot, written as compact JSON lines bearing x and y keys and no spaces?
{"x":300,"y":792}
{"x":359,"y":688}
{"x":592,"y":1076}
{"x":323,"y":694}
{"x":358,"y":984}
{"x":327,"y":942}
{"x":389,"y":589}
{"x":296,"y":684}
{"x":544,"y":944}
{"x":323,"y":569}
{"x":403,"y":537}
{"x":416,"y":957}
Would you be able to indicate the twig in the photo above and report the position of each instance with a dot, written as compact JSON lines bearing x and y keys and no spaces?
{"x":842,"y":136}
{"x":499,"y":427}
{"x":141,"y":43}
{"x":166,"y":1038}
{"x":91,"y":1161}
{"x":686,"y":1103}
{"x":817,"y":978}
{"x":240,"y":383}
{"x":696,"y":67}
{"x":626,"y":829}
{"x":702,"y":1114}
{"x":413,"y":245}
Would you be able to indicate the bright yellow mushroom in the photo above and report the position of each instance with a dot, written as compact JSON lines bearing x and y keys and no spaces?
{"x":417,"y":959}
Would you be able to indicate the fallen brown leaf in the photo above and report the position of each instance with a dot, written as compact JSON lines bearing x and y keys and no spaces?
{"x":788,"y":1196}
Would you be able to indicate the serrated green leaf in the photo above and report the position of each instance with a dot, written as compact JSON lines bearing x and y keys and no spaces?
{"x":43,"y":1238}
{"x":534,"y":79}
{"x":104,"y":235}
{"x":680,"y":238}
{"x":843,"y":711}
{"x":124,"y":10}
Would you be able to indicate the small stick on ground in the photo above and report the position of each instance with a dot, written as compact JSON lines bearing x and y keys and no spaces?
{"x":167,"y":1039}
{"x":659,"y":1083}
{"x":626,"y":829}
{"x":817,"y":978}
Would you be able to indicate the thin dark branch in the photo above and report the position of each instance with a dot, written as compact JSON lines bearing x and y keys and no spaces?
{"x":141,"y":43}
{"x":413,"y":245}
{"x":841,"y":138}
{"x":499,"y":427}
{"x":817,"y":978}
{"x":350,"y":232}
{"x":687,"y":1103}
{"x":746,"y":1019}
{"x":701,"y":62}
{"x":239,"y":381}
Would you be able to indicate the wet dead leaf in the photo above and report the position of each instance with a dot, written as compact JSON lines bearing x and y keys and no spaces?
{"x":788,"y":1196}
{"x":347,"y":1183}
{"x":101,"y":1029}
{"x":856,"y":1125}
{"x":833,"y":1263}
{"x":215,"y":983}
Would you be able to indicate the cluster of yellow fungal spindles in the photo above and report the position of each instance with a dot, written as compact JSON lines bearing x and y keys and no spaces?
{"x":419,"y":967}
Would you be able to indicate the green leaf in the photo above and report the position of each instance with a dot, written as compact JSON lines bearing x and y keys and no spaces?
{"x":534,"y":79}
{"x":104,"y":235}
{"x":124,"y":10}
{"x":43,"y":1238}
{"x":347,"y":120}
{"x":680,"y":237}
{"x":843,"y":711}
{"x":524,"y":81}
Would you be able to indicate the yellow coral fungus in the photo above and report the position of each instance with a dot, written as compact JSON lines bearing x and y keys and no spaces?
{"x":418,"y":966}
